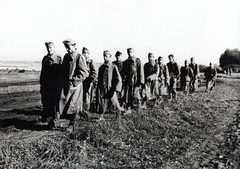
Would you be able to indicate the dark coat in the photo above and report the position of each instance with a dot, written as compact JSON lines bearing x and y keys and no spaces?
{"x":50,"y":79}
{"x":133,"y":77}
{"x":109,"y":81}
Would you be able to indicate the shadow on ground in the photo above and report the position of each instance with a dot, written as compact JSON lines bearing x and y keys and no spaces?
{"x":23,"y":119}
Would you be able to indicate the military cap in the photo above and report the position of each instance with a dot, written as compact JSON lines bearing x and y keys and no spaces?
{"x":85,"y":50}
{"x":150,"y":54}
{"x":130,"y":49}
{"x":69,"y":42}
{"x":171,"y":55}
{"x":118,"y":53}
{"x":49,"y":44}
{"x":106,"y":52}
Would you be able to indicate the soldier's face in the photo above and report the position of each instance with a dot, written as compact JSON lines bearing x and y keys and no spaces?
{"x":118,"y":57}
{"x":107,"y":58}
{"x":186,"y":63}
{"x":70,"y":49}
{"x":170,"y":59}
{"x":192,"y":60}
{"x":86,"y":55}
{"x":160,"y":60}
{"x":151,"y":58}
{"x":51,"y":49}
{"x":131,"y":54}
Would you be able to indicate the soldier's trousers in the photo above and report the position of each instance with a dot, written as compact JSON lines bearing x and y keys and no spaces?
{"x":172,"y":88}
{"x":210,"y":84}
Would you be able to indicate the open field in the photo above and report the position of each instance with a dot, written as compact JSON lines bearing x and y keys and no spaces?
{"x":198,"y":131}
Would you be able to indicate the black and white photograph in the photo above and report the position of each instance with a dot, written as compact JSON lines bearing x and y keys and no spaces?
{"x":105,"y":84}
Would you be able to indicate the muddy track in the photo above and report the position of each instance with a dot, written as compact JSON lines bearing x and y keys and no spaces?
{"x":33,"y":82}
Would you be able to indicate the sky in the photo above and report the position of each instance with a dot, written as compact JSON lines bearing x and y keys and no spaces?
{"x":201,"y":29}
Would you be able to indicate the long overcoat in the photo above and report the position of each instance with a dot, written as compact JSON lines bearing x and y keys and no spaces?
{"x":133,"y":77}
{"x":74,"y":72}
{"x":89,"y":84}
{"x":109,"y":81}
{"x":151,"y":71}
{"x":49,"y":81}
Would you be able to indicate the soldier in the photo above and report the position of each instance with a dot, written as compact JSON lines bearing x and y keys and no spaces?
{"x":74,"y":72}
{"x":173,"y":74}
{"x":210,"y":75}
{"x":90,"y":83}
{"x":118,"y":62}
{"x":133,"y":79}
{"x":109,"y":82}
{"x":194,"y":80}
{"x":119,"y":65}
{"x":49,"y":81}
{"x":163,"y":77}
{"x":186,"y":74}
{"x":151,"y":72}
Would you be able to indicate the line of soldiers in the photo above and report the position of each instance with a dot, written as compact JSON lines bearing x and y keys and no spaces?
{"x":69,"y":86}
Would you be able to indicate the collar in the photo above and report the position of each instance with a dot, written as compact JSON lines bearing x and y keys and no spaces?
{"x":53,"y":56}
{"x":74,"y":54}
{"x":107,"y":64}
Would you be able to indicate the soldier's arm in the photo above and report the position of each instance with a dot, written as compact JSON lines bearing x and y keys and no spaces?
{"x":82,"y":71}
{"x":197,"y":71}
{"x":117,"y":78}
{"x":141,"y":73}
{"x":93,"y":73}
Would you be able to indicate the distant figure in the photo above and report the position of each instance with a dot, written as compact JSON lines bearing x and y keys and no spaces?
{"x":133,"y":79}
{"x":50,"y":84}
{"x":109,"y":82}
{"x":118,"y":62}
{"x":90,"y":83}
{"x":151,"y":72}
{"x":74,"y":72}
{"x":186,"y":74}
{"x":194,"y":80}
{"x":163,"y":78}
{"x":174,"y":75}
{"x":210,"y":75}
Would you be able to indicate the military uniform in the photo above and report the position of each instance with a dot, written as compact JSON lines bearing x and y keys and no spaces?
{"x":210,"y":75}
{"x":50,"y":84}
{"x":133,"y":78}
{"x":173,"y":74}
{"x":151,"y":80}
{"x":109,"y":82}
{"x":163,"y":79}
{"x":194,"y":80}
{"x":119,"y":65}
{"x":74,"y":72}
{"x":89,"y":84}
{"x":186,"y":74}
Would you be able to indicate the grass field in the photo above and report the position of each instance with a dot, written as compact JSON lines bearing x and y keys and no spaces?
{"x":198,"y":131}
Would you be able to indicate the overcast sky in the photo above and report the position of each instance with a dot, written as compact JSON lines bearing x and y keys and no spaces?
{"x":186,"y":28}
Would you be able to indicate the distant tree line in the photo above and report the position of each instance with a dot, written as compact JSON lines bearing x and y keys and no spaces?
{"x":230,"y":59}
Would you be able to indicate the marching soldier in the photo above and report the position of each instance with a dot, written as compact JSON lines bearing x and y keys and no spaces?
{"x":133,"y":79}
{"x":74,"y":72}
{"x":151,"y":72}
{"x":194,"y":80}
{"x":49,"y":81}
{"x":90,"y":83}
{"x":173,"y":74}
{"x":109,"y":82}
{"x":186,"y":74}
{"x":210,"y":75}
{"x":163,"y":77}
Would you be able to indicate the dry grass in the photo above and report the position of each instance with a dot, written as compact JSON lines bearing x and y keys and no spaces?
{"x":193,"y":132}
